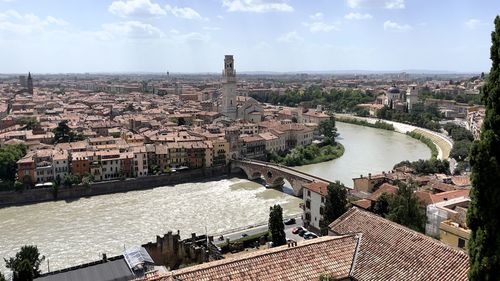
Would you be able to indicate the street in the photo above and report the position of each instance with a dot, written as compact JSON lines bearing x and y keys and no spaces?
{"x":259,"y":229}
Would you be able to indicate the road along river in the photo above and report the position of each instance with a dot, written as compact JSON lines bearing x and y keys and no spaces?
{"x":70,"y":233}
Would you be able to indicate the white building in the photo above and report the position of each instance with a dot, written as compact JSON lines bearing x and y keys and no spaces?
{"x":314,"y":197}
{"x":439,"y":212}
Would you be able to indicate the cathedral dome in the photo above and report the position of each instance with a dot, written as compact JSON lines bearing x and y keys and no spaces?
{"x":393,"y":90}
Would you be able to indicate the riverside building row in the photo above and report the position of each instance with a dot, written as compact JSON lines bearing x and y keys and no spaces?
{"x":109,"y":158}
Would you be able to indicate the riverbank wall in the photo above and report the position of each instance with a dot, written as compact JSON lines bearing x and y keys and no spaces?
{"x":11,"y":198}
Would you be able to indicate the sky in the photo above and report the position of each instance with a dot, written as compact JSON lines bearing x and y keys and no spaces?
{"x":78,"y":36}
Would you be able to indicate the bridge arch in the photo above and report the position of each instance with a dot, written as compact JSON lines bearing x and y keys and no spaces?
{"x":275,"y":175}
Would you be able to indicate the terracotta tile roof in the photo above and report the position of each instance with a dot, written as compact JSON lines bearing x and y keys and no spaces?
{"x":389,"y":251}
{"x":306,"y":261}
{"x":385,"y":187}
{"x":443,"y":196}
{"x":461,"y":180}
{"x":318,"y":187}
{"x":362,"y":203}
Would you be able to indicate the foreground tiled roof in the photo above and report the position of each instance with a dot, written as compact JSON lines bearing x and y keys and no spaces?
{"x":306,"y":261}
{"x":389,"y":251}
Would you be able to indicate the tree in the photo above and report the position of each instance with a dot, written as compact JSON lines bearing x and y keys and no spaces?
{"x":460,"y":150}
{"x":26,"y":263}
{"x":404,"y":208}
{"x":24,"y":272}
{"x":70,"y":180}
{"x":29,"y":123}
{"x":381,"y":206}
{"x":2,"y":277}
{"x":181,"y":121}
{"x":63,"y":133}
{"x":482,"y":217}
{"x":276,"y":226}
{"x":335,"y":203}
{"x":327,"y":129}
{"x":9,"y":155}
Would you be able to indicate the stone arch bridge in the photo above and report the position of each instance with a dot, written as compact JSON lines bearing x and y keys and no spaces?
{"x":275,"y":174}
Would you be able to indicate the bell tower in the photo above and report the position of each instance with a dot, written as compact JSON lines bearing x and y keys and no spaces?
{"x":228,"y":107}
{"x":30,"y":84}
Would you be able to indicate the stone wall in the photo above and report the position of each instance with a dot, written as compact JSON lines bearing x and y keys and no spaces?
{"x":10,"y":198}
{"x":173,"y":252}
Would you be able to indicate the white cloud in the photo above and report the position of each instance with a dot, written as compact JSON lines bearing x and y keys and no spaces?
{"x":257,"y":6}
{"x":290,"y":37}
{"x":317,"y":17}
{"x":193,"y":36}
{"x":395,"y":4}
{"x":358,"y":16}
{"x":211,"y":28}
{"x":185,"y":13}
{"x":473,"y":23}
{"x":129,"y":29}
{"x":136,"y":8}
{"x":387,"y":4}
{"x":15,"y":22}
{"x":56,"y":21}
{"x":319,"y":25}
{"x":394,"y":26}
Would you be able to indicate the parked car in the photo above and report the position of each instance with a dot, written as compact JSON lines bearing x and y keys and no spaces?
{"x":302,"y":232}
{"x":309,"y":235}
{"x":297,"y":229}
{"x":290,"y":221}
{"x":244,"y":235}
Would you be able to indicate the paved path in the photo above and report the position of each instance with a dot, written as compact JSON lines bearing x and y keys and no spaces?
{"x":234,"y":235}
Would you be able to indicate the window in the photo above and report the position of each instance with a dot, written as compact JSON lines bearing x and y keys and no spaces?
{"x":308,"y":216}
{"x":321,"y":210}
{"x":308,"y":204}
{"x":322,"y":199}
{"x":309,"y":193}
{"x":461,"y":243}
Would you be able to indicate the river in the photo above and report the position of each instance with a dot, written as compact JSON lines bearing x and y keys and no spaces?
{"x":75,"y":232}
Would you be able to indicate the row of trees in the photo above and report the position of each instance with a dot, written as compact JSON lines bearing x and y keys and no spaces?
{"x":463,"y":139}
{"x":336,"y":100}
{"x":430,"y":166}
{"x":420,"y":116}
{"x":426,"y":93}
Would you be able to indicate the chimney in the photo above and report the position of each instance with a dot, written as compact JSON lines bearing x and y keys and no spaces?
{"x":104,"y":257}
{"x":369,"y":176}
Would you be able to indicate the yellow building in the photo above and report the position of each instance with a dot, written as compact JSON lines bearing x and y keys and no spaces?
{"x":220,"y":151}
{"x":454,"y":234}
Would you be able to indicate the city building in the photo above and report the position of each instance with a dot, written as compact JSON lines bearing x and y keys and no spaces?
{"x":314,"y":197}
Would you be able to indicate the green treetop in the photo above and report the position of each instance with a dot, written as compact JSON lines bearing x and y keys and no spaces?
{"x":276,"y":226}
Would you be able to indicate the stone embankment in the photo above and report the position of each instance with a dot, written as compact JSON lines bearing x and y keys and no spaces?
{"x":10,"y":198}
